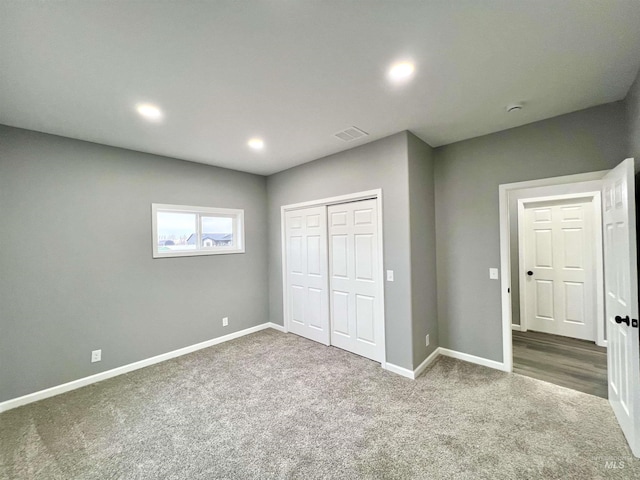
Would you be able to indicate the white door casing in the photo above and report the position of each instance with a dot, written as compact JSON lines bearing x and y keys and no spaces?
{"x":356,"y":323}
{"x":557,"y":268}
{"x":505,"y":192}
{"x":621,"y":299}
{"x":306,"y":273}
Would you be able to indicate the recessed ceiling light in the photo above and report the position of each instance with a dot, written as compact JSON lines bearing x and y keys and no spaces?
{"x":401,"y":71}
{"x":256,"y":143}
{"x":149,"y":111}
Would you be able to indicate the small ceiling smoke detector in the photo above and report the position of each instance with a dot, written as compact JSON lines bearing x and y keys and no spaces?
{"x":350,"y":134}
{"x":514,"y":108}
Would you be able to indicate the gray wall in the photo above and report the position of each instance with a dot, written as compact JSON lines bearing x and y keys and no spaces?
{"x":380,"y":164}
{"x":423,"y":249}
{"x":632,"y":103}
{"x":467,"y":176}
{"x":75,"y":257}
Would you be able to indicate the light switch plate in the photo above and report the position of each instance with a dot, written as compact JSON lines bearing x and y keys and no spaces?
{"x":389,"y":275}
{"x":493,"y":274}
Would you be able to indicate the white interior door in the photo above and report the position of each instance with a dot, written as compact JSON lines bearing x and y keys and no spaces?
{"x":306,"y":273}
{"x":356,"y":318}
{"x":558,"y":274}
{"x":621,"y":299}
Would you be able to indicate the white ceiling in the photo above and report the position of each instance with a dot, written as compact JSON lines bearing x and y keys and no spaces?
{"x":296,"y":72}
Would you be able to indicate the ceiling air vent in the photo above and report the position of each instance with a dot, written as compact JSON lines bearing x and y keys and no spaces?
{"x":350,"y":134}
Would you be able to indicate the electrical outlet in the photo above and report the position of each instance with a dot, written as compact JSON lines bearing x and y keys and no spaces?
{"x":493,"y":274}
{"x":96,"y":356}
{"x":225,"y":322}
{"x":427,"y":338}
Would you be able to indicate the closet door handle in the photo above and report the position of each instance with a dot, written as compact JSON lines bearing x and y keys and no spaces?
{"x":529,"y":273}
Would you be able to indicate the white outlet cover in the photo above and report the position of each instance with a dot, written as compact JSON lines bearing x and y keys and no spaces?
{"x":493,"y":274}
{"x":225,"y":321}
{"x":389,"y":275}
{"x":96,"y":356}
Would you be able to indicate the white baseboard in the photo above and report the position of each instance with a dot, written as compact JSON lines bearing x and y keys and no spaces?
{"x":428,"y":361}
{"x":98,"y":377}
{"x":275,"y":326}
{"x":516,"y":327}
{"x":473,"y":359}
{"x":405,"y":372}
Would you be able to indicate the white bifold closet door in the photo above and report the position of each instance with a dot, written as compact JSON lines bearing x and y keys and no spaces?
{"x":356,"y":323}
{"x":306,"y":275}
{"x":333,"y":277}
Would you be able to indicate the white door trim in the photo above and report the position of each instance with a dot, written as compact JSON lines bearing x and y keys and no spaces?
{"x":505,"y":248}
{"x":352,"y":197}
{"x":596,"y":204}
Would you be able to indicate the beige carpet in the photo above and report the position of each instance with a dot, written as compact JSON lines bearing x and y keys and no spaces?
{"x":271,"y":405}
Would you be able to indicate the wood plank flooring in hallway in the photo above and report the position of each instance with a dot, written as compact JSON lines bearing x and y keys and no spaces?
{"x":569,"y":362}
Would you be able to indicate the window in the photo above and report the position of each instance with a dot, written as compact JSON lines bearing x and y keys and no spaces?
{"x":180,"y":231}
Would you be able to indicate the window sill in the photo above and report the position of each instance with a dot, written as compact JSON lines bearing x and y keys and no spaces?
{"x":197,"y":253}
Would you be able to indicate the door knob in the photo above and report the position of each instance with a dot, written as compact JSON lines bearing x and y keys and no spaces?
{"x":529,"y":273}
{"x":620,"y":319}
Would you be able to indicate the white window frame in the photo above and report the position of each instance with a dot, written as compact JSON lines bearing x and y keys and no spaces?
{"x":238,"y":229}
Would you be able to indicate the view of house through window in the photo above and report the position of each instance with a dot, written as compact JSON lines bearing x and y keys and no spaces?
{"x":183,"y":231}
{"x":216,"y":232}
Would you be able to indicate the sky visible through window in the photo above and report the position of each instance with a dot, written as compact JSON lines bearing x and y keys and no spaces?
{"x":176,"y":224}
{"x":217,"y":225}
